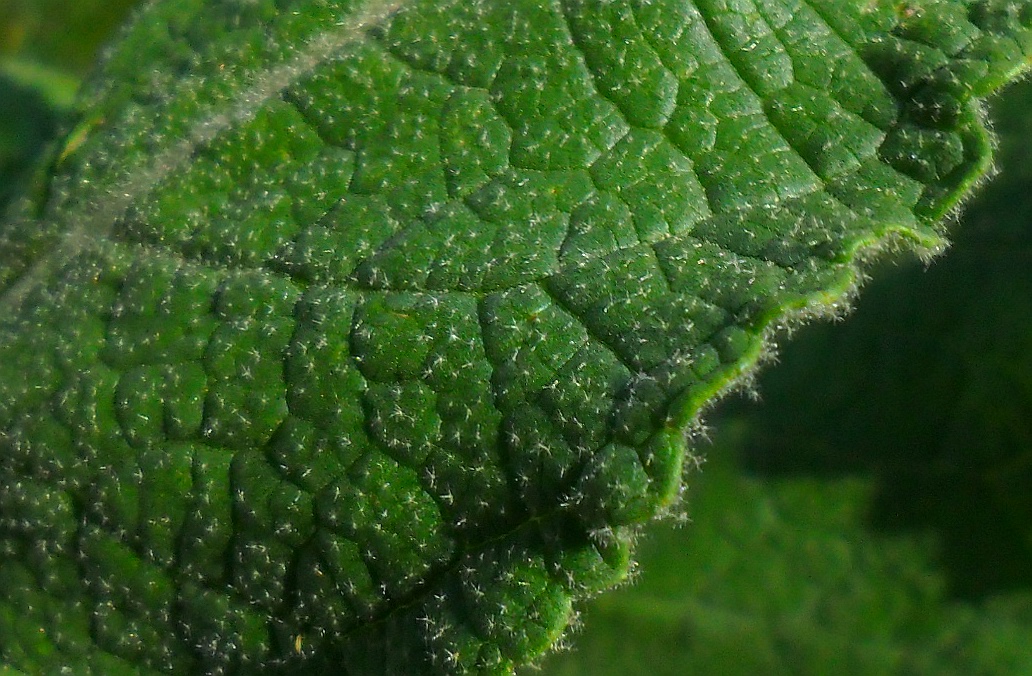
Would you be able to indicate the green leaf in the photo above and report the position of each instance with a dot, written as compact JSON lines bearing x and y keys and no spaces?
{"x":364,"y":337}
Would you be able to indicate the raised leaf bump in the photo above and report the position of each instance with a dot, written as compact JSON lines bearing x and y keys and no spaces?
{"x":364,"y":335}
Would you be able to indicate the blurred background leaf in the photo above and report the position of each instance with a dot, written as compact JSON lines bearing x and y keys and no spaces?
{"x":27,"y":122}
{"x":60,"y":34}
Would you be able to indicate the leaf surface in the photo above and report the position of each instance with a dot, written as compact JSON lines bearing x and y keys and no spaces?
{"x":363,"y":337}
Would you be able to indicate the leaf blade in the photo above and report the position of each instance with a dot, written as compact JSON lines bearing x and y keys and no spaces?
{"x":266,"y":287}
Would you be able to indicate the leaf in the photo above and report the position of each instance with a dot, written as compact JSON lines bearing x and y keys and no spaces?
{"x":363,"y":337}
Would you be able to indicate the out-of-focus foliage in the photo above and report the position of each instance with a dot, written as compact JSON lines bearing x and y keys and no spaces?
{"x":59,"y":33}
{"x":872,"y":515}
{"x":26,"y":122}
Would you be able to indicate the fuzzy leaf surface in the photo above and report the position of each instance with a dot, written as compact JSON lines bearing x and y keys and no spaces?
{"x":362,"y":337}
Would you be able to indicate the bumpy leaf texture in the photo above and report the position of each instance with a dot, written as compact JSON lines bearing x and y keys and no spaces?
{"x":360,"y":337}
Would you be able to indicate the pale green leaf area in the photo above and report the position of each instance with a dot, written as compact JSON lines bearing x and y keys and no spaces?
{"x":882,"y":525}
{"x":363,"y":337}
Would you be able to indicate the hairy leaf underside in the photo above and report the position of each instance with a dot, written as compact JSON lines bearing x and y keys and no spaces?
{"x":360,"y":337}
